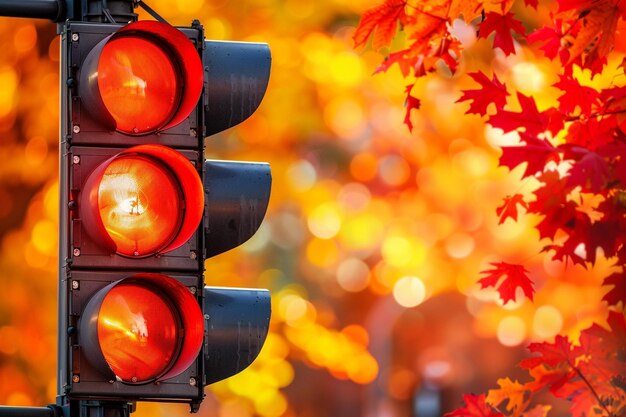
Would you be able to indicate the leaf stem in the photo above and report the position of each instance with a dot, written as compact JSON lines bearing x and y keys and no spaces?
{"x":593,"y":391}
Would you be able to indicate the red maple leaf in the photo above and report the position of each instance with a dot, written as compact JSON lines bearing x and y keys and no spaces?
{"x":411,"y":103}
{"x":590,"y":374}
{"x":593,"y":133}
{"x":604,"y":349}
{"x":583,"y":402}
{"x":405,"y":59}
{"x":606,"y":235}
{"x":589,"y":170}
{"x":559,"y":213}
{"x":475,"y":406}
{"x":565,"y":5}
{"x":551,"y":39}
{"x":536,"y":153}
{"x":506,"y":278}
{"x":616,"y":154}
{"x":508,"y":209}
{"x":383,"y":20}
{"x":576,"y":95}
{"x":529,"y":119}
{"x":552,"y":354}
{"x":532,"y":3}
{"x":502,"y":25}
{"x":618,"y":292}
{"x":552,"y":378}
{"x":491,"y":91}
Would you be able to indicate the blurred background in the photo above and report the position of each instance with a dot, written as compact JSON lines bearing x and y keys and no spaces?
{"x":374,"y":237}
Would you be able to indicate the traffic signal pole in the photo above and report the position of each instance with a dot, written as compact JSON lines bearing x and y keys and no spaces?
{"x":35,"y":9}
{"x":141,"y":209}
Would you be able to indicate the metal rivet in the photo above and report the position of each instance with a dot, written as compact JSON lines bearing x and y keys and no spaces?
{"x":192,"y":381}
{"x":134,"y":379}
{"x":76,"y":252}
{"x":193,"y":132}
{"x":74,"y":37}
{"x":193,"y":255}
{"x":75,"y":378}
{"x":76,"y":129}
{"x":75,"y":285}
{"x":193,"y":290}
{"x":76,"y":159}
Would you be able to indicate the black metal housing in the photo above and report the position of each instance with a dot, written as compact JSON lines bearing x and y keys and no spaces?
{"x":88,"y":381}
{"x":84,"y":267}
{"x":236,"y":76}
{"x":237,"y":195}
{"x":80,"y":39}
{"x":238,"y":320}
{"x":90,"y":254}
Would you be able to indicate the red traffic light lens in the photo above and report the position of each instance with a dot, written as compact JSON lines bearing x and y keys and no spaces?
{"x":138,"y":332}
{"x":139,"y":204}
{"x":145,"y":200}
{"x":144,"y":78}
{"x":138,"y":83}
{"x":142,"y":328}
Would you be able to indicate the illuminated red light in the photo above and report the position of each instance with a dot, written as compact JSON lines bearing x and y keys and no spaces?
{"x":144,"y":78}
{"x":138,"y":332}
{"x":146,"y":200}
{"x":139,"y":84}
{"x":139,"y":204}
{"x":143,"y":328}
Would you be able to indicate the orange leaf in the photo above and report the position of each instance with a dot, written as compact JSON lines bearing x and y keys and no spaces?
{"x":596,"y":35}
{"x":509,"y":207}
{"x":382,"y":19}
{"x":512,"y":391}
{"x":538,"y":411}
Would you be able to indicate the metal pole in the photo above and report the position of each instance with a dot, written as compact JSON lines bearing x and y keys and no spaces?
{"x":6,"y":411}
{"x":38,"y":9}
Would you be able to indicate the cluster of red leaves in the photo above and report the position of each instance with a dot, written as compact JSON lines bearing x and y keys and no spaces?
{"x":576,"y":152}
{"x":583,"y":33}
{"x":427,"y":25}
{"x":592,"y":375}
{"x":582,"y":211}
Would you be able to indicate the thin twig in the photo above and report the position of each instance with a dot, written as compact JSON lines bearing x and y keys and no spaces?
{"x":593,"y":391}
{"x":595,"y":115}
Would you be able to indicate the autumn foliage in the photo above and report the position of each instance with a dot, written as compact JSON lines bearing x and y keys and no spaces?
{"x":573,"y":153}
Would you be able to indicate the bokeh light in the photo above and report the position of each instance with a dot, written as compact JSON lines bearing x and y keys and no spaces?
{"x":511,"y":331}
{"x":409,"y":291}
{"x":547,"y":322}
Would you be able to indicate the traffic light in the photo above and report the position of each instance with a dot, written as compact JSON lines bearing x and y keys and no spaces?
{"x":141,"y":210}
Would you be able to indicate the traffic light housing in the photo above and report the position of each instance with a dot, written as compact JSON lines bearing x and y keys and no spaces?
{"x":141,"y":210}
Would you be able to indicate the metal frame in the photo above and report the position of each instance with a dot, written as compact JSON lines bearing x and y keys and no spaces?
{"x":76,"y":395}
